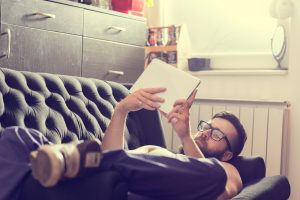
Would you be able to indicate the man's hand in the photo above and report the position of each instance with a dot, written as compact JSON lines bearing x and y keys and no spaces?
{"x":142,"y":98}
{"x":179,"y":116}
{"x":180,"y":119}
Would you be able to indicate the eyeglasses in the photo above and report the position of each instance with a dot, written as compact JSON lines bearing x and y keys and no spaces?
{"x":215,"y":133}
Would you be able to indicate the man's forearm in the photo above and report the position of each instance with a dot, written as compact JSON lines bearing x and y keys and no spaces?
{"x":190,"y":147}
{"x":114,"y":134}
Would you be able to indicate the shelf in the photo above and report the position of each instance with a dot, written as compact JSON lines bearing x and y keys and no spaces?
{"x":269,"y":72}
{"x":160,"y":48}
{"x":176,"y":53}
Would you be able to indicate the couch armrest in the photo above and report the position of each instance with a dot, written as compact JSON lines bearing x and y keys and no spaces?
{"x":107,"y":185}
{"x":274,"y":187}
{"x":250,"y":168}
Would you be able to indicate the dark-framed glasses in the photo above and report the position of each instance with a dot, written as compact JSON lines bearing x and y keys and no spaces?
{"x":215,"y":133}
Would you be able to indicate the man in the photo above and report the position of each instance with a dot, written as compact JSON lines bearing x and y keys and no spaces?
{"x":214,"y":138}
{"x":151,"y":171}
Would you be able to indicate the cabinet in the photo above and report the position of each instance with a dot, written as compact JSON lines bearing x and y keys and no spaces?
{"x":44,"y":55}
{"x":70,"y":38}
{"x":172,"y":47}
{"x":35,"y":36}
{"x":113,"y":47}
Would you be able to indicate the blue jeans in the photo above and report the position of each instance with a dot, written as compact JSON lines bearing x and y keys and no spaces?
{"x":15,"y":146}
{"x":156,"y":177}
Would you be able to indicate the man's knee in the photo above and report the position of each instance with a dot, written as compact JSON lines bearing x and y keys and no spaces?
{"x":20,"y":130}
{"x":10,"y":130}
{"x":22,"y":136}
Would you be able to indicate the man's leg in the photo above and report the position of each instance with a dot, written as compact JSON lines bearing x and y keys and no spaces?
{"x":166,"y":178}
{"x":15,"y":146}
{"x":51,"y":163}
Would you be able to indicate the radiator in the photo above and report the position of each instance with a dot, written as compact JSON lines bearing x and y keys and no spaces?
{"x":266,"y":124}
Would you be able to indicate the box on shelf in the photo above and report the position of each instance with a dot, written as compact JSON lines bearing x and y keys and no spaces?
{"x":134,"y":7}
{"x":197,"y":64}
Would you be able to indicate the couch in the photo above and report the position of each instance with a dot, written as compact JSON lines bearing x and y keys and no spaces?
{"x":67,"y":108}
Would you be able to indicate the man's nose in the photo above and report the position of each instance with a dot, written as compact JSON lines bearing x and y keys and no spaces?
{"x":206,"y":133}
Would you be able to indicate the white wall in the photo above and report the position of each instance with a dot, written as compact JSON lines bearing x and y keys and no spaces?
{"x":275,"y":87}
{"x":217,"y":33}
{"x":215,"y":27}
{"x":270,"y":87}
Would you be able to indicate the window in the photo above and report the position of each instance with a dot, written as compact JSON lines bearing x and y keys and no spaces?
{"x":233,"y":33}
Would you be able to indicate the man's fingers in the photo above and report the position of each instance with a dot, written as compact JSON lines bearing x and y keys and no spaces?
{"x":186,"y":103}
{"x":174,"y":110}
{"x":148,"y":102}
{"x":175,"y":115}
{"x":149,"y":106}
{"x":192,"y":97}
{"x":155,"y":90}
{"x":179,"y":102}
{"x":151,"y":97}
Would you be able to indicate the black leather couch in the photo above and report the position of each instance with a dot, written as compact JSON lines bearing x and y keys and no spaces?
{"x":67,"y":108}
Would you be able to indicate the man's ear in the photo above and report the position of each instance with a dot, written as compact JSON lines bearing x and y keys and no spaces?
{"x":226,"y":156}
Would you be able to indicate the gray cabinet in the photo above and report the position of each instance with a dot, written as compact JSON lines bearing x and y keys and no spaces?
{"x":42,"y":14}
{"x":41,"y":51}
{"x":112,"y":61}
{"x":113,"y":47}
{"x":114,"y":28}
{"x":63,"y":37}
{"x":39,"y":36}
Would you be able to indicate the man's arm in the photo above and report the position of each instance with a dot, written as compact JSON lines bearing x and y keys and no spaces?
{"x":190,"y":148}
{"x":114,"y":134}
{"x":179,"y":117}
{"x":143,"y":98}
{"x":234,"y":182}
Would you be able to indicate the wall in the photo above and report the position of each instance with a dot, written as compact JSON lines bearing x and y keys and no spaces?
{"x":274,"y":87}
{"x":224,"y":34}
{"x":284,"y":87}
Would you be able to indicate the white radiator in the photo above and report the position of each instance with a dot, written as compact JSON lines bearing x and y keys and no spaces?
{"x":266,"y":124}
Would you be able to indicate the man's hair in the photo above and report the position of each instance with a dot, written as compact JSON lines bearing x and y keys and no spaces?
{"x":239,"y":142}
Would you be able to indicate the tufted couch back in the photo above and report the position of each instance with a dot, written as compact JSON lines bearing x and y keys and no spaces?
{"x":67,"y":108}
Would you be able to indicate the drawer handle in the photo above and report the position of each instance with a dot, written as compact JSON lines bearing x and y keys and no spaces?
{"x":119,"y":73}
{"x":7,"y":52}
{"x":117,"y":28}
{"x":48,"y":15}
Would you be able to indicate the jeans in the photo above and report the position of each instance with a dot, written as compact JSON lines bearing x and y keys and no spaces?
{"x":148,"y":176}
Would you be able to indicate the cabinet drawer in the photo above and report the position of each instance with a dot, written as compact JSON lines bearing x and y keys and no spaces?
{"x":111,"y":61}
{"x":42,"y":15}
{"x":47,"y":54}
{"x":114,"y":28}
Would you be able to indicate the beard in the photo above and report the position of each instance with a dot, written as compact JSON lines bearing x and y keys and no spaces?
{"x":209,"y":153}
{"x":212,"y":154}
